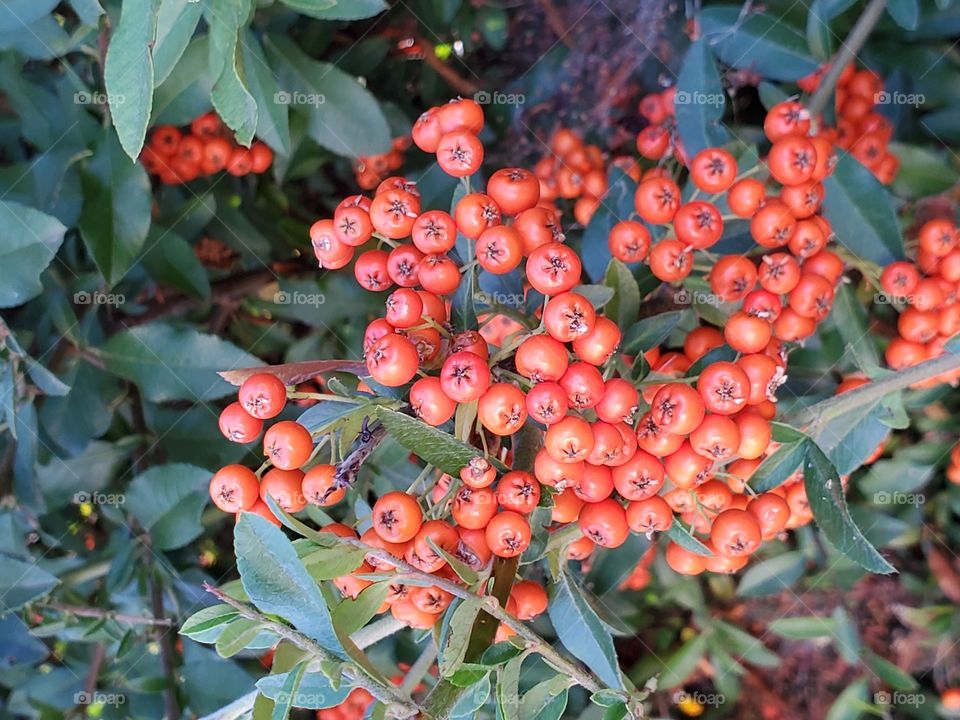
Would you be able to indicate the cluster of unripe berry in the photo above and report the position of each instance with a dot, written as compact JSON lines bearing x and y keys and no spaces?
{"x":205,"y":147}
{"x":928,"y":289}
{"x":370,"y":170}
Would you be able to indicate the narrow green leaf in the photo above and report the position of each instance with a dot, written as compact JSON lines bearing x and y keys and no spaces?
{"x":777,"y":467}
{"x":772,"y":575}
{"x":681,"y":664}
{"x":176,"y":22}
{"x":581,"y":631}
{"x":546,"y":700}
{"x":284,"y":700}
{"x":906,"y":13}
{"x":803,"y":628}
{"x":231,"y":97}
{"x":829,"y":507}
{"x":624,"y":306}
{"x":650,"y":332}
{"x":687,"y":541}
{"x":435,"y":446}
{"x":700,"y":100}
{"x":128,"y":73}
{"x":236,"y":636}
{"x":337,"y":9}
{"x":116,"y":209}
{"x":458,"y":636}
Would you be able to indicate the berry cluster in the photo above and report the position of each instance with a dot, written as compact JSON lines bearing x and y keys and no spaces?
{"x":616,"y":456}
{"x":860,"y":130}
{"x":371,"y":170}
{"x":573,"y":171}
{"x":178,"y":156}
{"x":928,"y":289}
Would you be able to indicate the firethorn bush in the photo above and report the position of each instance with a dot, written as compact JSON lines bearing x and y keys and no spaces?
{"x":344,"y":376}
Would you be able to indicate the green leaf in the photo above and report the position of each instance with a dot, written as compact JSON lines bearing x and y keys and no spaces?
{"x":184,"y":95}
{"x":745,"y":646}
{"x":624,"y":306}
{"x":169,"y":363}
{"x":22,"y":582}
{"x":128,"y":73}
{"x":803,"y":628}
{"x":288,"y":693}
{"x":176,"y":23}
{"x":700,"y":100}
{"x":617,"y":205}
{"x":170,"y":260}
{"x":273,"y":121}
{"x":687,"y":541}
{"x":776,"y":468}
{"x":859,"y":210}
{"x":458,"y":636}
{"x":889,"y":673}
{"x":546,"y":700}
{"x":508,"y":688}
{"x":850,"y":321}
{"x":276,"y":581}
{"x":469,"y":703}
{"x":16,"y":15}
{"x":759,"y":41}
{"x":681,"y":664}
{"x":342,"y":116}
{"x":337,"y":9}
{"x":772,"y":576}
{"x":825,"y":494}
{"x":199,"y":625}
{"x":851,"y":703}
{"x":923,"y":171}
{"x":581,"y":631}
{"x":116,"y":209}
{"x":236,"y":636}
{"x":650,"y":332}
{"x":819,"y":36}
{"x":435,"y":446}
{"x":231,"y":97}
{"x":167,"y":500}
{"x":29,"y":240}
{"x":906,"y":13}
{"x":846,"y":637}
{"x":352,"y":614}
{"x":330,"y":563}
{"x":315,"y":691}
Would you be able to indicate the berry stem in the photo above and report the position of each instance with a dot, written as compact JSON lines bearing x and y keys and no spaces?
{"x":844,"y":56}
{"x":326,"y":396}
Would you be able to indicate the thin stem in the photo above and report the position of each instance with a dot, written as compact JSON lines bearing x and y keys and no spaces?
{"x":326,"y":396}
{"x":848,"y":51}
{"x":420,"y":668}
{"x":98,"y":613}
{"x":826,"y":410}
{"x":399,"y":704}
{"x":536,"y":643}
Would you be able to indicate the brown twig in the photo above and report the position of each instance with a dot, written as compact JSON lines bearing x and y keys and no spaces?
{"x":349,"y":468}
{"x":98,"y":613}
{"x":463,"y":86}
{"x":555,"y":21}
{"x":848,"y":51}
